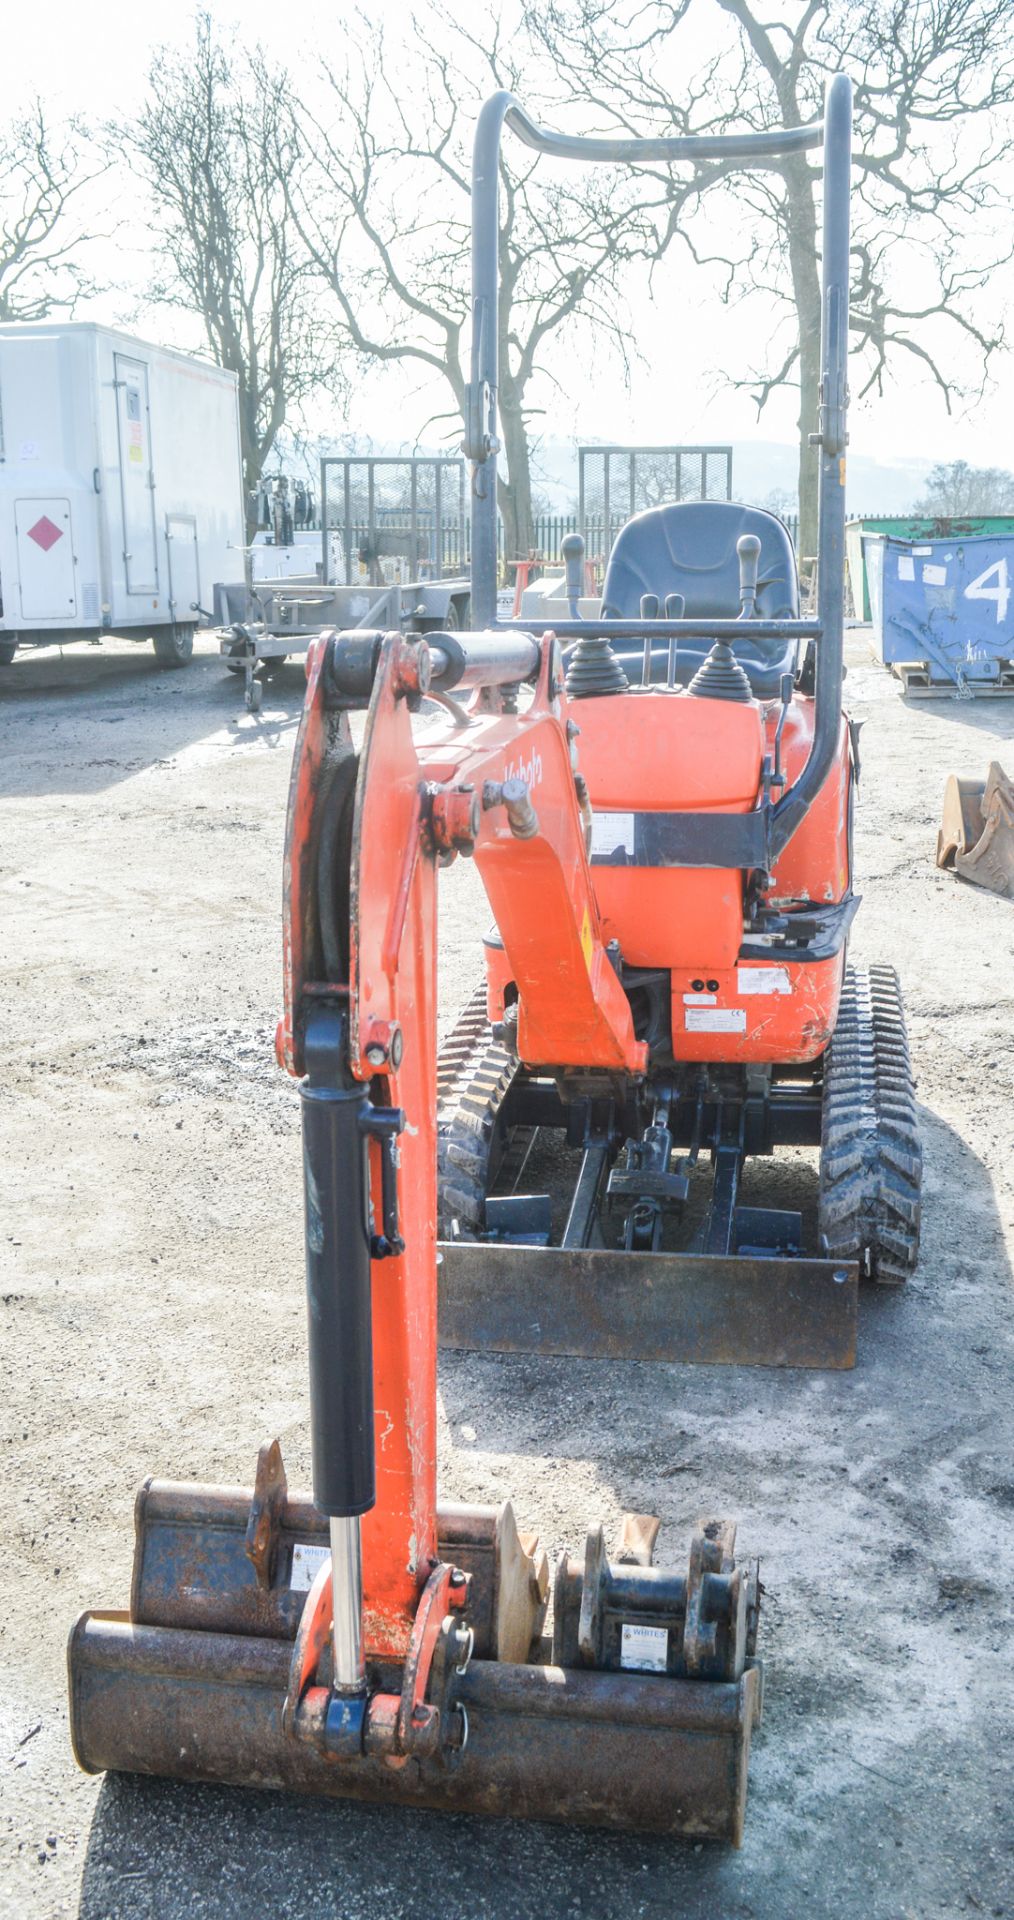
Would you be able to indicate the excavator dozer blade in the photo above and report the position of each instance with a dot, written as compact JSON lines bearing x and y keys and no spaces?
{"x":596,"y":1304}
{"x":976,"y":837}
{"x":191,"y":1685}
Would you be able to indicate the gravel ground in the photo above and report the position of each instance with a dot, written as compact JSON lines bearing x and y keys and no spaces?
{"x":153,"y":1322}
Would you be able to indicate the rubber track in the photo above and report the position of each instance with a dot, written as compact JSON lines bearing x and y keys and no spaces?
{"x":473,"y":1074}
{"x":870,"y":1158}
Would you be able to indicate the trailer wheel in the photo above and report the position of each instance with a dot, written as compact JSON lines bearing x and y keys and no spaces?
{"x":254,"y":696}
{"x":8,"y":648}
{"x":174,"y":645}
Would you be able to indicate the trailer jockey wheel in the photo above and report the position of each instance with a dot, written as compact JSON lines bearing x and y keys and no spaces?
{"x":254,"y":695}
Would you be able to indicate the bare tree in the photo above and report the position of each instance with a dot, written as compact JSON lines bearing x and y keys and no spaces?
{"x":41,"y":172}
{"x":381,"y":196}
{"x":934,"y":84}
{"x":956,"y":490}
{"x":214,"y":139}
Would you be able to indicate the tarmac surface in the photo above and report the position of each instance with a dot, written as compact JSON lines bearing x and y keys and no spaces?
{"x":152,"y":1311}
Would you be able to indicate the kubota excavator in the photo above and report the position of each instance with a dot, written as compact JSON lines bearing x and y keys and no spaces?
{"x":669,"y":869}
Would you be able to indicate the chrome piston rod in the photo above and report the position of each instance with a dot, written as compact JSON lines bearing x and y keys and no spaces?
{"x":347,"y":1656}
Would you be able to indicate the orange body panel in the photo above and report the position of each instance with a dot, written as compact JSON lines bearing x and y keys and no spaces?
{"x":757,"y":1011}
{"x":658,"y":751}
{"x":655,"y":752}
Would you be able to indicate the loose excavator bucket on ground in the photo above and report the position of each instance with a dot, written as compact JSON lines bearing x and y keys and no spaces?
{"x":371,"y":1643}
{"x":976,"y":839}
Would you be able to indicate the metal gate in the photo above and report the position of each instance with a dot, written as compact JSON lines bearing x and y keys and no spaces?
{"x":614,"y":483}
{"x":386,"y":519}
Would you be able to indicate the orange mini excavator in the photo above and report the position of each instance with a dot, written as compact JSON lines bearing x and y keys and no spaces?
{"x":668,"y":865}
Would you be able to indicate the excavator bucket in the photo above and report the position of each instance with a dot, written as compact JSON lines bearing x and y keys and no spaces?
{"x":976,"y":838}
{"x":195,"y":1681}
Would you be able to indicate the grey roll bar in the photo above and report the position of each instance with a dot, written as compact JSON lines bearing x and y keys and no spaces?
{"x":481,"y":444}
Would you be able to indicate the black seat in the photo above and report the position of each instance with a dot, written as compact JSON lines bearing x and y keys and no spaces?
{"x":690,"y":548}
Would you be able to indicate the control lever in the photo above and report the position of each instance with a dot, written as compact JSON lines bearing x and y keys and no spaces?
{"x":785,"y":688}
{"x":572,"y":549}
{"x":675,"y":607}
{"x":748,"y":549}
{"x":649,"y":611}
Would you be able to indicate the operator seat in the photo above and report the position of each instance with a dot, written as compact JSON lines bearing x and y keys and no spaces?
{"x":690,"y":548}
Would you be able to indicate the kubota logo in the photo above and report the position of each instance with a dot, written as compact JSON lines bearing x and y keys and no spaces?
{"x":530,"y":771}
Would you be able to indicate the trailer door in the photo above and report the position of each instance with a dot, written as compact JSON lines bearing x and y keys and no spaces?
{"x":184,"y":570}
{"x":137,"y":481}
{"x":45,"y":560}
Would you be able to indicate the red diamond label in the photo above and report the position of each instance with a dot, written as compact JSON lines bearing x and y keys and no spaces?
{"x":45,"y":534}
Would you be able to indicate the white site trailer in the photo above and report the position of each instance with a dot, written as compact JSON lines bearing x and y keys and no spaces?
{"x":121,"y":492}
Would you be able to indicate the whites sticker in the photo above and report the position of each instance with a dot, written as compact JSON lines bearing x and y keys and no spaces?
{"x":934,"y":576}
{"x":906,"y":567}
{"x":764,"y":980}
{"x":715,"y":1019}
{"x":306,"y":1564}
{"x":922,"y":550}
{"x":700,"y":999}
{"x":645,"y":1649}
{"x":612,"y":833}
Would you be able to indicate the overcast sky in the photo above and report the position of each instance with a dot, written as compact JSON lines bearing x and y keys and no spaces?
{"x":93,"y":60}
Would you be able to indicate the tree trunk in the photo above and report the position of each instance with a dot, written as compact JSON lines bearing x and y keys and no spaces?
{"x":514,"y":495}
{"x":252,"y":469}
{"x":513,"y":490}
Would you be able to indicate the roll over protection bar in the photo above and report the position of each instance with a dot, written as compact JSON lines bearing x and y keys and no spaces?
{"x":481,"y":445}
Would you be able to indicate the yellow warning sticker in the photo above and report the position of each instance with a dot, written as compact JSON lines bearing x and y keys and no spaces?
{"x":587,"y":944}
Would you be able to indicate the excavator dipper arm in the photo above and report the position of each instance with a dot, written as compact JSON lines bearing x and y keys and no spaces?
{"x":504,"y":789}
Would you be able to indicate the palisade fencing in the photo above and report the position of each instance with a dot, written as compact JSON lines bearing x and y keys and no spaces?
{"x":552,"y":528}
{"x":447,"y":552}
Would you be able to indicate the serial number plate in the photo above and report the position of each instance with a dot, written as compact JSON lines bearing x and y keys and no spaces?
{"x":715,"y":1020}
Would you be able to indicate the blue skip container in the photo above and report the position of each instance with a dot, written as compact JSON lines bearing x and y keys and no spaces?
{"x":943,"y":612}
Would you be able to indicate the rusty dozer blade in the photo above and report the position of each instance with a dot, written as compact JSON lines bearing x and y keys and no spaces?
{"x":599,"y":1304}
{"x":642,"y":1719}
{"x":976,"y":838}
